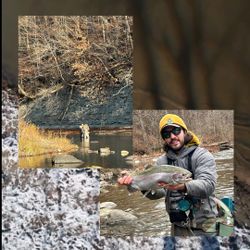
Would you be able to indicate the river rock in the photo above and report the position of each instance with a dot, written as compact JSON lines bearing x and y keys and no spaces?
{"x":105,"y":150}
{"x":124,"y":153}
{"x":107,"y":204}
{"x":65,"y":159}
{"x":129,"y":158}
{"x":103,"y":191}
{"x":116,"y":216}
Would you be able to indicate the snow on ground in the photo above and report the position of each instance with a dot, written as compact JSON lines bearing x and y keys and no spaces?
{"x":44,"y":208}
{"x":58,"y":208}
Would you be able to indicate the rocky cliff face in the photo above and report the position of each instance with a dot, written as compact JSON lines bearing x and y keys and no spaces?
{"x":105,"y":107}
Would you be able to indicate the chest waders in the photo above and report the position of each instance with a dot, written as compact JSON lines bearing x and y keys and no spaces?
{"x":224,"y":222}
{"x":184,"y":215}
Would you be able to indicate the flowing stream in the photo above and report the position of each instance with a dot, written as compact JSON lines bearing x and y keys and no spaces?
{"x":89,"y":152}
{"x":152,"y":216}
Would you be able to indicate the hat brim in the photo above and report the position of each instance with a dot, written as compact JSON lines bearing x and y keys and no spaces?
{"x":172,"y":125}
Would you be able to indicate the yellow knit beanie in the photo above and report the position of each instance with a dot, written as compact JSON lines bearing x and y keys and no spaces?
{"x":171,"y":119}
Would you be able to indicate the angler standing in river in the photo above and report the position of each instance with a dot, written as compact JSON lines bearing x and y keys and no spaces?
{"x":191,"y":205}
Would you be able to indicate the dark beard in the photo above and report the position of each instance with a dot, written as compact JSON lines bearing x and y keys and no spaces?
{"x":187,"y":138}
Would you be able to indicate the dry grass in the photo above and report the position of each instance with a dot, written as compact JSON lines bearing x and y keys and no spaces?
{"x":33,"y":141}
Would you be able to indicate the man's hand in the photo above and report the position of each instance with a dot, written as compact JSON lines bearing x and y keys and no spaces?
{"x":125,"y":180}
{"x":180,"y":187}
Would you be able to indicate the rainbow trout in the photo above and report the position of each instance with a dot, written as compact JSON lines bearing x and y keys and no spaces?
{"x":149,"y":178}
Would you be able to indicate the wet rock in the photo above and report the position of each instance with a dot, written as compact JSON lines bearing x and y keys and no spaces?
{"x":104,"y":191}
{"x":115,"y":216}
{"x":107,"y":204}
{"x":105,"y":151}
{"x":124,"y":153}
{"x":65,"y":159}
{"x":129,"y":159}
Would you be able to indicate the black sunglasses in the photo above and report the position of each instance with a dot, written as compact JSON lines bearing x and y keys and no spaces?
{"x":167,"y":133}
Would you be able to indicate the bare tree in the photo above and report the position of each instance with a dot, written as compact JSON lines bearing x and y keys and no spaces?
{"x":211,"y":126}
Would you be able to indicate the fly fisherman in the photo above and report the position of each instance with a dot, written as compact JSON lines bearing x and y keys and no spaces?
{"x":190,"y":206}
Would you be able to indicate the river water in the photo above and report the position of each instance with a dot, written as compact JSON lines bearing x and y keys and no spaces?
{"x":152,"y":217}
{"x":88,"y":152}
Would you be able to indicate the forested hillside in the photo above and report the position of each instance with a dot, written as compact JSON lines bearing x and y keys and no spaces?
{"x":58,"y":51}
{"x":70,"y":58}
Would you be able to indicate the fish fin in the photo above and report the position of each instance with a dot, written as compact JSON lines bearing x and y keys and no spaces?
{"x":145,"y":194}
{"x":132,"y":188}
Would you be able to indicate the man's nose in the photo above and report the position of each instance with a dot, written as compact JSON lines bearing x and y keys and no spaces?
{"x":172,"y":135}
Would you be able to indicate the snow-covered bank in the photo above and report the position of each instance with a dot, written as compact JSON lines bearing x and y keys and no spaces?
{"x":44,"y":208}
{"x":58,"y":208}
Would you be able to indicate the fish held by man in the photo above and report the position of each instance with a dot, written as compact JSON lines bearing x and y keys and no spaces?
{"x":150,"y":178}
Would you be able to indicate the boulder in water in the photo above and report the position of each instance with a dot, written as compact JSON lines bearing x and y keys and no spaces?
{"x":124,"y":153}
{"x":116,"y":216}
{"x":105,"y":150}
{"x":65,"y":159}
{"x":107,"y":204}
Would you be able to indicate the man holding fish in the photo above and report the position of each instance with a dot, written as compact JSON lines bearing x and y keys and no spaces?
{"x":186,"y":176}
